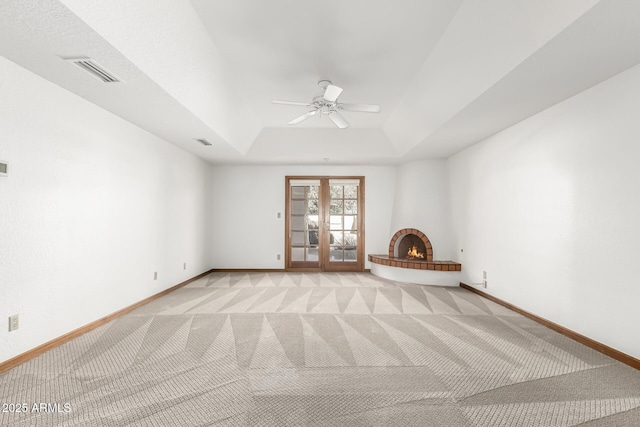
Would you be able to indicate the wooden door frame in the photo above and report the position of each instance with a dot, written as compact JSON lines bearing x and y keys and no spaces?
{"x":323,"y":249}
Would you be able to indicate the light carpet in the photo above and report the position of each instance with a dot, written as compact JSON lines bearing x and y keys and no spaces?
{"x":321,"y":349}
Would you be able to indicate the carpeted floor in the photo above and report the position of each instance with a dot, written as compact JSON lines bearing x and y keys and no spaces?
{"x":322,"y":349}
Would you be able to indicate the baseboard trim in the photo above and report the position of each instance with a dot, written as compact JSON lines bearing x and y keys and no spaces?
{"x":56,"y":342}
{"x":598,"y":346}
{"x":276,"y":270}
{"x":248,"y":270}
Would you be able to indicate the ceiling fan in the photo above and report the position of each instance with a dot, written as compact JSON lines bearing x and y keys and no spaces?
{"x":326,"y":102}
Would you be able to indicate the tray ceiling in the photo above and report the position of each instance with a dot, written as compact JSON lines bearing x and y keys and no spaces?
{"x":447,"y":73}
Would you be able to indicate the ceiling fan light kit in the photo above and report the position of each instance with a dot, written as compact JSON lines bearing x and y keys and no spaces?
{"x":326,"y":102}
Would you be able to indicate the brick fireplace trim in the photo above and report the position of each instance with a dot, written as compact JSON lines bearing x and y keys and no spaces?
{"x":416,"y":264}
{"x":427,"y":263}
{"x":420,"y":234}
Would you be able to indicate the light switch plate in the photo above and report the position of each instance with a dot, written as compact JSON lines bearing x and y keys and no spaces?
{"x":14,"y":322}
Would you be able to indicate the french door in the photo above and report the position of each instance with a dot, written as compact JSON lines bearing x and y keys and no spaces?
{"x":324,"y":223}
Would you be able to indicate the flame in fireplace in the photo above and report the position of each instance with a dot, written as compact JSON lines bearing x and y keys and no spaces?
{"x":413,"y":253}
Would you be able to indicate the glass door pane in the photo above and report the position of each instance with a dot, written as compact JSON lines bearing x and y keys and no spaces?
{"x":304,"y":224}
{"x":343,"y":223}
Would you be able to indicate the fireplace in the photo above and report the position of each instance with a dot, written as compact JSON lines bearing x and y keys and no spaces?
{"x":402,"y":243}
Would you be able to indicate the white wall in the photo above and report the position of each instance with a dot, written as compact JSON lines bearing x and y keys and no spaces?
{"x":92,"y":207}
{"x":550,"y":209}
{"x":422,"y":201}
{"x":248,"y":198}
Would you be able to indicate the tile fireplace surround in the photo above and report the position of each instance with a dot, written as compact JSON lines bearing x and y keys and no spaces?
{"x":393,"y":260}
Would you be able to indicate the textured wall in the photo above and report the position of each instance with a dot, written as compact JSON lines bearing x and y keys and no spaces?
{"x":550,"y":207}
{"x":92,"y":207}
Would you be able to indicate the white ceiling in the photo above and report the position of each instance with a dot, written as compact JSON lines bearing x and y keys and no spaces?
{"x":447,"y":73}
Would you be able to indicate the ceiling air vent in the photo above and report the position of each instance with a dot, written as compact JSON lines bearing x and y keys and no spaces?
{"x":203,"y":141}
{"x":95,"y":69}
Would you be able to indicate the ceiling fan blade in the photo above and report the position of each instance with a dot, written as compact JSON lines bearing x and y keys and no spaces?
{"x":304,"y":117}
{"x":331,"y":93}
{"x":338,"y":120}
{"x":361,"y":108}
{"x":302,"y":104}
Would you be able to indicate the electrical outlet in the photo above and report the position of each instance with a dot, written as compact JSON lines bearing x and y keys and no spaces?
{"x":484,"y":279}
{"x":14,"y":322}
{"x":278,"y":257}
{"x":155,"y":275}
{"x":184,"y":266}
